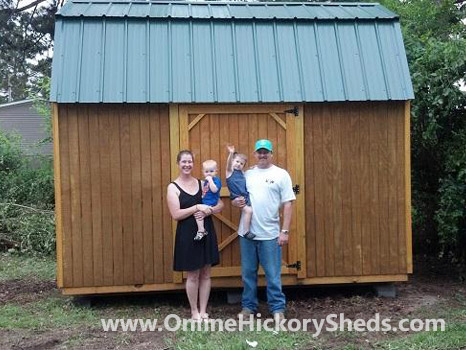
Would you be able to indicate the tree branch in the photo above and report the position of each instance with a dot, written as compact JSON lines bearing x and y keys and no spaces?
{"x":32,"y":4}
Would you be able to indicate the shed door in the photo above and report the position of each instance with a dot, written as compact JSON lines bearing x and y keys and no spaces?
{"x":206,"y":130}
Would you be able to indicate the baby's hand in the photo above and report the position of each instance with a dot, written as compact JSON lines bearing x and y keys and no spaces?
{"x":231,"y":148}
{"x":208,"y":178}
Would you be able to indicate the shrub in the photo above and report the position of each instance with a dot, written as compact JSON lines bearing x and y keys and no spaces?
{"x":27,"y":201}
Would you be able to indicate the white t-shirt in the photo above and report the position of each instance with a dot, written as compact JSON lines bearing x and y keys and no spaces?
{"x":268,"y":190}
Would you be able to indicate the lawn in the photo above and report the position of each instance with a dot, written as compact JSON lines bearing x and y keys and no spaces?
{"x":33,"y":314}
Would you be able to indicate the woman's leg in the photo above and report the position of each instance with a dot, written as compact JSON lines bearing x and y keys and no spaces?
{"x":204,"y":289}
{"x":192,"y":290}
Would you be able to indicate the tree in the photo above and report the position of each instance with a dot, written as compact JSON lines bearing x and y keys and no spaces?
{"x":435,"y":41}
{"x":27,"y":36}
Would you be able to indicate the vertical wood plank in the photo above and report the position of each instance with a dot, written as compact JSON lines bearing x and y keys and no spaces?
{"x":84,"y":166}
{"x":135,"y":136}
{"x":75,"y":196}
{"x":116,"y":194}
{"x":346,"y":192}
{"x":407,"y":143}
{"x":126,"y":197}
{"x":300,"y":209}
{"x":328,"y":191}
{"x":146,"y":188}
{"x":365,"y":189}
{"x":106,"y":198}
{"x":374,"y":189}
{"x":165,"y":149}
{"x":226,"y":135}
{"x":400,"y":187}
{"x":66,"y":205}
{"x":158,"y":232}
{"x":290,"y":254}
{"x":383,"y":187}
{"x":58,"y":194}
{"x":317,"y":121}
{"x":336,"y":117}
{"x":176,"y":114}
{"x":392,"y":189}
{"x":355,"y":190}
{"x":96,"y":205}
{"x":310,"y":191}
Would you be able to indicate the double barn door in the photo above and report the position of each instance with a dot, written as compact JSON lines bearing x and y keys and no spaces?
{"x":207,"y":130}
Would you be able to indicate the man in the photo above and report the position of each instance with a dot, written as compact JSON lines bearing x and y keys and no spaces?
{"x":270,"y":188}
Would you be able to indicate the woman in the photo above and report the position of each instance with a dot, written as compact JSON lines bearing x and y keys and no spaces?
{"x":184,"y":196}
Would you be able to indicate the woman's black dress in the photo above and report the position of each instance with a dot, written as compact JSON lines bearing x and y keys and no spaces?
{"x":192,"y":255}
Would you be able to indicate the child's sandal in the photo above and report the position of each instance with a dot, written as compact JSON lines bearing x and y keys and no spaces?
{"x":199,"y":235}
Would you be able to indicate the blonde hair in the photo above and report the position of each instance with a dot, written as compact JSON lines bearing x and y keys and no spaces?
{"x":210,"y":163}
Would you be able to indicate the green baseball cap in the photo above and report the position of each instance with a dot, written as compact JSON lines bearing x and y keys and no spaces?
{"x":265,"y":144}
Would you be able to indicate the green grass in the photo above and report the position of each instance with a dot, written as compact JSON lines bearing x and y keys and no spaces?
{"x":454,"y":337}
{"x":196,"y":340}
{"x":18,"y":267}
{"x":50,"y":313}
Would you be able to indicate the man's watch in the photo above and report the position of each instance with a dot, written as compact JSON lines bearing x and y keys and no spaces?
{"x":285,"y":232}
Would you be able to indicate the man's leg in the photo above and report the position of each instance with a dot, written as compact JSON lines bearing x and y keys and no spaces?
{"x":249,"y":265}
{"x":270,"y":257}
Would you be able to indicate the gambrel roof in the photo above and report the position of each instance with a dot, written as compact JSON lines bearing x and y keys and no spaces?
{"x":227,"y":52}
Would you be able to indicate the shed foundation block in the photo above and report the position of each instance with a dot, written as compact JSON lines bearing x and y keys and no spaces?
{"x":386,"y":290}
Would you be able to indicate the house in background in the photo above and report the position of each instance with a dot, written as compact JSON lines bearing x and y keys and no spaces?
{"x":23,"y":118}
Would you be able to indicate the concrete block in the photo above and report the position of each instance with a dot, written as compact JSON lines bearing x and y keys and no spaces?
{"x":386,"y":290}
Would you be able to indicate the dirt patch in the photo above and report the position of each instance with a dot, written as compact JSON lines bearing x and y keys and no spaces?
{"x":23,"y":291}
{"x":429,"y":292}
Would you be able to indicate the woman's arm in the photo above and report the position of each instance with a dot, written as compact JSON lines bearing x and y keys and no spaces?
{"x":173,"y":202}
{"x":212,"y":210}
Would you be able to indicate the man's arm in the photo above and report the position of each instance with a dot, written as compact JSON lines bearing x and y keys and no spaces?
{"x":287,"y":213}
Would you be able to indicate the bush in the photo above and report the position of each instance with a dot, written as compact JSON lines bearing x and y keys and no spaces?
{"x":27,"y":201}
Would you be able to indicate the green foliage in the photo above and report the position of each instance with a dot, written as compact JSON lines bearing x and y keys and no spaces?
{"x":26,"y":29}
{"x":435,"y":42}
{"x":27,"y":201}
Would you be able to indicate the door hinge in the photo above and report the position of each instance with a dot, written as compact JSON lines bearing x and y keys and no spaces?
{"x":296,"y":189}
{"x":294,"y":110}
{"x":296,"y":265}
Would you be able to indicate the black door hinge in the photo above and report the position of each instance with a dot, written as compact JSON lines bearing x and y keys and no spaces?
{"x":294,"y":111}
{"x":296,"y":189}
{"x":296,"y":265}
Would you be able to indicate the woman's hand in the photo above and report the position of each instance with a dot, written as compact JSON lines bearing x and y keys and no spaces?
{"x":205,"y":209}
{"x":199,"y":215}
{"x":238,"y":202}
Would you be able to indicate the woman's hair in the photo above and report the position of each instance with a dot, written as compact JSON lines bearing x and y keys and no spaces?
{"x":182,"y":153}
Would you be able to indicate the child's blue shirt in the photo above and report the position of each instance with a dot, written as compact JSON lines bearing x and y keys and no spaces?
{"x":209,"y":197}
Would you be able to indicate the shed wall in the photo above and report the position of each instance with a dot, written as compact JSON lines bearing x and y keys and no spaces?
{"x":114,"y":167}
{"x":357,"y":168}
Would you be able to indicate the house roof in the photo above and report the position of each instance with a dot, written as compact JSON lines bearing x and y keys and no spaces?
{"x":204,"y":52}
{"x":14,"y":103}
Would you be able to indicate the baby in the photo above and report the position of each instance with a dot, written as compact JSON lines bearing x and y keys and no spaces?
{"x":236,"y":183}
{"x":210,"y":193}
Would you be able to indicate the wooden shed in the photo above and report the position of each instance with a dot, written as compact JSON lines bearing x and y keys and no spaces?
{"x":135,"y":82}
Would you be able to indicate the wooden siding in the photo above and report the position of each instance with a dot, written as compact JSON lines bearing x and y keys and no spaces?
{"x":355,"y":164}
{"x":114,"y":169}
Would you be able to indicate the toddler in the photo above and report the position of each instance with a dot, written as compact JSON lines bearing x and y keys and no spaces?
{"x":236,"y":183}
{"x":210,"y":193}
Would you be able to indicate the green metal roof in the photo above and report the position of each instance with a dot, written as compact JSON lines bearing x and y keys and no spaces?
{"x":207,"y":52}
{"x":217,"y":9}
